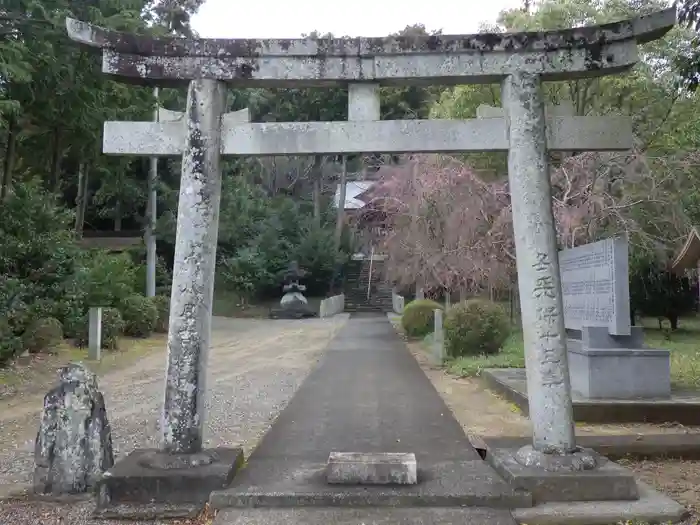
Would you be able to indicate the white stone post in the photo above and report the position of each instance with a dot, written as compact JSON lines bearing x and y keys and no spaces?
{"x":193,"y":272}
{"x":95,"y":334}
{"x":438,"y":337}
{"x":548,"y":385}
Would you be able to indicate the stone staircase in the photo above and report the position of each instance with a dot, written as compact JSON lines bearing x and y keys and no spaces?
{"x":357,"y":277}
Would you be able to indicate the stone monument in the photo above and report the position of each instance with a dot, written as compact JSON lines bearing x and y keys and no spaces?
{"x":74,"y":443}
{"x":553,"y":466}
{"x":293,"y":304}
{"x":607,"y":357}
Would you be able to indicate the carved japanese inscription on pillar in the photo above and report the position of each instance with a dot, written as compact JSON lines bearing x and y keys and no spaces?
{"x":547,"y":315}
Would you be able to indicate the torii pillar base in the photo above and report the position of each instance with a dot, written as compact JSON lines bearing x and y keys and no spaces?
{"x":149,"y":484}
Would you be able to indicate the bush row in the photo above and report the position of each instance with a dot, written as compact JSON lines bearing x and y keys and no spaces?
{"x":48,"y":282}
{"x":139,"y":316}
{"x":473,"y":327}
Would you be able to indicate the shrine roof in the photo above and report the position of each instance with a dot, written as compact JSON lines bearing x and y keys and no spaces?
{"x":688,"y":256}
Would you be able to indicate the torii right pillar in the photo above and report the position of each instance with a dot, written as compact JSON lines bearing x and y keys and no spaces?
{"x":553,"y":467}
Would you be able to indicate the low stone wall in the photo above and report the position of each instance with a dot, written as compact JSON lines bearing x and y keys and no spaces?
{"x":397,"y":303}
{"x":332,"y":306}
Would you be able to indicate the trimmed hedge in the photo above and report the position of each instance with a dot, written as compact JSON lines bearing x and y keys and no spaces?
{"x":475,"y":327}
{"x":43,"y":335}
{"x":418,"y":317}
{"x":140,"y":315}
{"x":162,"y":304}
{"x":112,"y":328}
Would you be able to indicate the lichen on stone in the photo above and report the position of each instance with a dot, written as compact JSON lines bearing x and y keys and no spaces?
{"x":73,"y":446}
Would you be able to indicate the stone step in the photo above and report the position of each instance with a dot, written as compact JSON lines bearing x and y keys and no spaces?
{"x":364,"y":304}
{"x":368,"y":516}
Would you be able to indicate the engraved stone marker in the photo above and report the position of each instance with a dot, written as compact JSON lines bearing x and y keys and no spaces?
{"x":608,"y":359}
{"x":595,"y":284}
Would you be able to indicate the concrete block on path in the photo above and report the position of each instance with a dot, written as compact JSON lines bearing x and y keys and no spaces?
{"x":357,"y":468}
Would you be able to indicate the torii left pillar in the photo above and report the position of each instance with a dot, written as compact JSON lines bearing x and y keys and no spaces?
{"x":181,"y":470}
{"x":194,"y":268}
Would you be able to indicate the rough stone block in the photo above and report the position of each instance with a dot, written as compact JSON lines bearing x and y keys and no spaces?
{"x":74,"y":443}
{"x":134,"y":487}
{"x":620,"y":373}
{"x":356,"y":468}
{"x":608,"y":481}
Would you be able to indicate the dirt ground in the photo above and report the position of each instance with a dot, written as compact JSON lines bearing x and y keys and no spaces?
{"x":255,"y":366}
{"x":482,"y":413}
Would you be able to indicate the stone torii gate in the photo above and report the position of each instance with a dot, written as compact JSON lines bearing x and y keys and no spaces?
{"x":520,"y":62}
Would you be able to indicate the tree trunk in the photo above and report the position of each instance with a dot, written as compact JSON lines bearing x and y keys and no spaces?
{"x":118,"y":216}
{"x":56,"y":158}
{"x":81,"y":199}
{"x":340,"y":219}
{"x":673,"y":319}
{"x":316,"y":174}
{"x":9,"y":162}
{"x":317,"y":202}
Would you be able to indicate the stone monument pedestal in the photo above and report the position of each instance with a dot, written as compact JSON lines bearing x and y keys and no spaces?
{"x":150,"y":484}
{"x":604,"y":366}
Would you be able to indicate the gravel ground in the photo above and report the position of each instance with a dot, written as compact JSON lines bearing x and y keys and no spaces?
{"x":255,"y":366}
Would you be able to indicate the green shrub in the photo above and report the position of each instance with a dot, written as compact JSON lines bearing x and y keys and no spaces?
{"x":657,"y":292}
{"x":475,"y":327}
{"x":162,"y":304}
{"x":15,"y":296}
{"x":164,"y":276}
{"x":418,"y":317}
{"x":112,"y":329}
{"x":140,"y":315}
{"x":105,"y":279}
{"x":10,"y":344}
{"x":43,"y":335}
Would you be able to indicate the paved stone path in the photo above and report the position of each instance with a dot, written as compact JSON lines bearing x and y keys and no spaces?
{"x":255,"y":368}
{"x":368,"y":394}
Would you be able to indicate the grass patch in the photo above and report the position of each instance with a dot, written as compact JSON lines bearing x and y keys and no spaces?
{"x":511,"y":356}
{"x":230,"y":304}
{"x":38,"y":373}
{"x":683,"y":343}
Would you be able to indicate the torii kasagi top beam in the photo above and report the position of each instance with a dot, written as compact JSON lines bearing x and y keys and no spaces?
{"x":391,"y":61}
